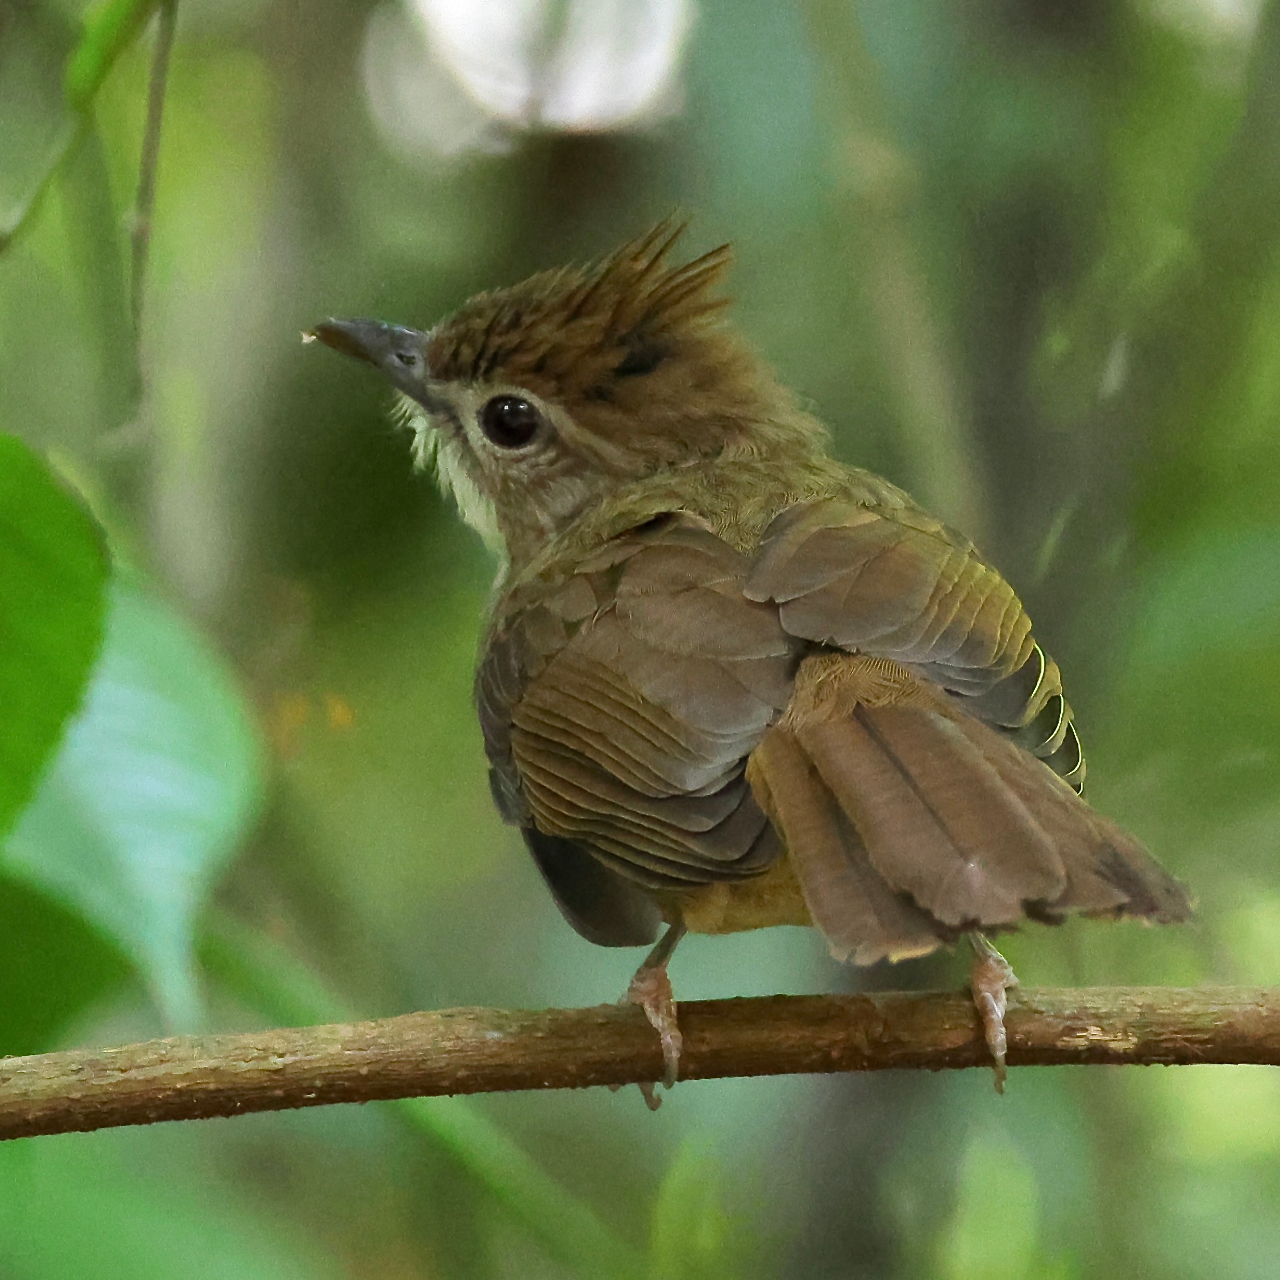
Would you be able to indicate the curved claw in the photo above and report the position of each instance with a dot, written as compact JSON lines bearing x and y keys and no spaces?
{"x":651,"y":990}
{"x":989,"y":980}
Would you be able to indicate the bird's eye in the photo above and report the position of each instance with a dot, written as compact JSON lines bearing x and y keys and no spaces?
{"x":509,"y":421}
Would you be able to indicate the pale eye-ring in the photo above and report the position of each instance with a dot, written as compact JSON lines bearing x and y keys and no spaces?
{"x":509,"y":421}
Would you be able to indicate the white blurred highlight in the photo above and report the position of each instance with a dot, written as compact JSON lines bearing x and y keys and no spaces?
{"x":447,"y":77}
{"x":1211,"y":20}
{"x":420,"y":108}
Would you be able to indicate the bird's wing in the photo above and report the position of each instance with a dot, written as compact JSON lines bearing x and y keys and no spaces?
{"x":914,"y":731}
{"x":620,"y":696}
{"x":896,"y":583}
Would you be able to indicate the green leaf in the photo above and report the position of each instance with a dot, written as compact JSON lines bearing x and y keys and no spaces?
{"x":55,"y":965}
{"x":155,"y":785}
{"x":86,"y":1206}
{"x":53,"y":573}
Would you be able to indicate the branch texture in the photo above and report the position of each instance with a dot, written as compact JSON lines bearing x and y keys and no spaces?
{"x":489,"y":1050}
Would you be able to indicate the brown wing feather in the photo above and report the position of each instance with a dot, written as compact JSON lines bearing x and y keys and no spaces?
{"x":633,"y":709}
{"x":895,"y":582}
{"x":620,"y":698}
{"x":926,"y":715}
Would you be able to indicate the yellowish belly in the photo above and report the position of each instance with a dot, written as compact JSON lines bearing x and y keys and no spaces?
{"x":757,"y":903}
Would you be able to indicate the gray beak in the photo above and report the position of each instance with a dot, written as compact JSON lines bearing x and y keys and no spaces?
{"x":399,"y":354}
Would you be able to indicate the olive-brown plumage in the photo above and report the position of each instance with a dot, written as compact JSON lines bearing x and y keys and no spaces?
{"x":728,"y":682}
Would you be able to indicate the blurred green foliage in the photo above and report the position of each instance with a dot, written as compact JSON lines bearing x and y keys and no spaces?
{"x":108,"y":28}
{"x":53,"y":572}
{"x":152,"y":789}
{"x":1023,"y":257}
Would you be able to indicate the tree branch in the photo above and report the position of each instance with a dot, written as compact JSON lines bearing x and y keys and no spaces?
{"x":488,"y":1050}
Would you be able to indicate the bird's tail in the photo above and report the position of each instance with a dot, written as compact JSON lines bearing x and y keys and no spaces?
{"x":908,"y":821}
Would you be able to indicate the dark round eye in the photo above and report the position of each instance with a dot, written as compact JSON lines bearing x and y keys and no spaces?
{"x":509,"y":421}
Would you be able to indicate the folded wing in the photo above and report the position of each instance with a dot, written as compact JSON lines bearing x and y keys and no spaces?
{"x":864,"y":690}
{"x":929,"y":735}
{"x":620,"y":697}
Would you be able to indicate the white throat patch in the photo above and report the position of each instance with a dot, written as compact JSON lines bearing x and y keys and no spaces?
{"x":433,"y":450}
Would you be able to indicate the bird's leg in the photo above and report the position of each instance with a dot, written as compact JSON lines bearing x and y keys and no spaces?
{"x":651,"y":990}
{"x":989,"y":980}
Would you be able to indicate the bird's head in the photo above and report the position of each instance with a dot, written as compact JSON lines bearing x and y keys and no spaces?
{"x":538,"y":402}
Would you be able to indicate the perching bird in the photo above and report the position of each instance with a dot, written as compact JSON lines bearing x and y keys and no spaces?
{"x":729,"y":682}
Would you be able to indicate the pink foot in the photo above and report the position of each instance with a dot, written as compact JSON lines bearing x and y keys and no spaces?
{"x":651,"y":990}
{"x":989,"y":980}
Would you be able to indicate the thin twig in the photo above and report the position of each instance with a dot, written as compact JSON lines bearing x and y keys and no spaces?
{"x":489,"y":1050}
{"x":145,"y":203}
{"x":263,"y":975}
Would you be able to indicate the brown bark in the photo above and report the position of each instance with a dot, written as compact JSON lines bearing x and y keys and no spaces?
{"x":485,"y":1050}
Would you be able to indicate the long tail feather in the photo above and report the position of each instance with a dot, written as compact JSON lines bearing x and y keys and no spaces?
{"x":908,"y":821}
{"x":860,"y":916}
{"x":938,"y":821}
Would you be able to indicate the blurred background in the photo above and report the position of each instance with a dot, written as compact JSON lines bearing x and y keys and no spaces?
{"x":1021,"y":255}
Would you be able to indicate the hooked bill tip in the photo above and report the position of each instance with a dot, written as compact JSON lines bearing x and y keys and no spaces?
{"x":391,"y":348}
{"x":399,"y":354}
{"x":351,"y":337}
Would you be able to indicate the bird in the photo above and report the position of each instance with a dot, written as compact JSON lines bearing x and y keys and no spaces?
{"x":728,"y":682}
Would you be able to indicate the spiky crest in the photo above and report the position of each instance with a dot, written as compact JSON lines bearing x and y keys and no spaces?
{"x":571,"y":334}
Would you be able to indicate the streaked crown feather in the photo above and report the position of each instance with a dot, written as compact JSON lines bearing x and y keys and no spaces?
{"x":634,"y":350}
{"x":572,"y":332}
